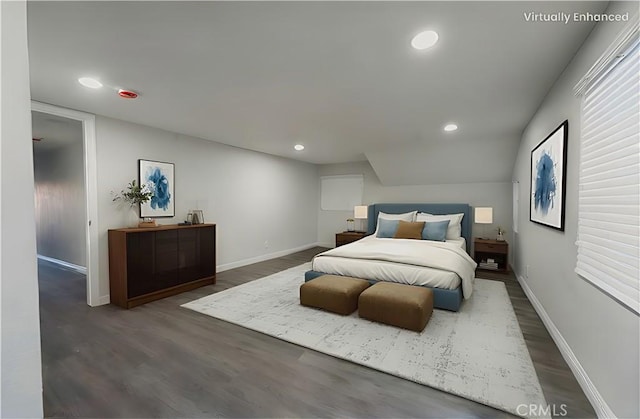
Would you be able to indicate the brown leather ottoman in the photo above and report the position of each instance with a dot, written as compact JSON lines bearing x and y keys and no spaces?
{"x":400,"y":305}
{"x":338,"y":294}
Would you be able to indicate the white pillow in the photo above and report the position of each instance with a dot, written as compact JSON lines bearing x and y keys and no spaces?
{"x":454,"y":231}
{"x":407,"y":216}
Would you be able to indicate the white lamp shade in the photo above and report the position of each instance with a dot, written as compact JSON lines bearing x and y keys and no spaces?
{"x":360,"y":211}
{"x":483,"y":215}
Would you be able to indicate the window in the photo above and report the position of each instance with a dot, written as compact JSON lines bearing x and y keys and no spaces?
{"x":609,"y":176}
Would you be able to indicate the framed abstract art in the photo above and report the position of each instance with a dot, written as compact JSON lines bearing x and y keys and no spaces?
{"x":159,"y":177}
{"x":548,"y":179}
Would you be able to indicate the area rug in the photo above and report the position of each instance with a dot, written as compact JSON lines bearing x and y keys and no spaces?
{"x":478,"y":353}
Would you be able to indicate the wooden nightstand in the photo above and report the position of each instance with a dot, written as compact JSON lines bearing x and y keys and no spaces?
{"x":348,"y":237}
{"x":485,"y":249}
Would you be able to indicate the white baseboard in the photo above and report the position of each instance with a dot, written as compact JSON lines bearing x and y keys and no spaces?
{"x":103,"y":300}
{"x":77,"y":268}
{"x":600,"y":406}
{"x":262,"y":258}
{"x":329,"y":245}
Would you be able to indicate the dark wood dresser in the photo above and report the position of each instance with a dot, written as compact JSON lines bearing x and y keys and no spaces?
{"x":147,"y":264}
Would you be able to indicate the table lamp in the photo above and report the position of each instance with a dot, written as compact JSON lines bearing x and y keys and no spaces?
{"x":483,"y":215}
{"x":360,"y":213}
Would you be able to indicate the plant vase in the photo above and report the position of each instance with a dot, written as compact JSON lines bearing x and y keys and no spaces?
{"x":132,"y":218}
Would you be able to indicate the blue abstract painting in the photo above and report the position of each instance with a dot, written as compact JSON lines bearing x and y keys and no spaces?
{"x":548,"y":179}
{"x":159,"y":177}
{"x":545,"y":183}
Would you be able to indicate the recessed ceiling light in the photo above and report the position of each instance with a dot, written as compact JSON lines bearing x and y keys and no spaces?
{"x":424,"y":40}
{"x":298,"y":147}
{"x":89,"y":82}
{"x":450,"y":127}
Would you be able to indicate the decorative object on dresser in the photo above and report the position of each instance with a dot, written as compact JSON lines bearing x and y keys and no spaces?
{"x":360,"y":213}
{"x":146,"y":265}
{"x":491,"y":255}
{"x":197,"y":217}
{"x":147,"y":222}
{"x":348,"y":237}
{"x":483,"y":215}
{"x":159,"y":177}
{"x":133,"y":196}
{"x":548,"y":179}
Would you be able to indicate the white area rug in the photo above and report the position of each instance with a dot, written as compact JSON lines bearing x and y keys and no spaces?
{"x":478,"y":353}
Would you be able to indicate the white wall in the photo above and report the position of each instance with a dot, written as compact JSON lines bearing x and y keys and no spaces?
{"x":21,"y":383}
{"x":601,"y":334}
{"x":496,"y":195}
{"x":263,"y":205}
{"x":60,"y":202}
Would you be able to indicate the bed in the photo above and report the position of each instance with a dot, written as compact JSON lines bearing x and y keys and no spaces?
{"x":445,"y":267}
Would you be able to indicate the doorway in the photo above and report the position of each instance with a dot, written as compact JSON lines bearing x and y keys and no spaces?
{"x":84,"y":207}
{"x":59,"y":190}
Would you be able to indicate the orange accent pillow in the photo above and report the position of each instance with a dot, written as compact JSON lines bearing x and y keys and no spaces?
{"x":409,"y":230}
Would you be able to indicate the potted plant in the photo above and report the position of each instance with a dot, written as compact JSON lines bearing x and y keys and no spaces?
{"x":501,"y":233}
{"x":134,"y":195}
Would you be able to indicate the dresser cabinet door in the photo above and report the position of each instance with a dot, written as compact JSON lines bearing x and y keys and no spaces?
{"x":196,"y":253}
{"x":188,"y":254}
{"x":166,"y":259}
{"x":207,"y":266}
{"x":152,"y":262}
{"x":140,"y":263}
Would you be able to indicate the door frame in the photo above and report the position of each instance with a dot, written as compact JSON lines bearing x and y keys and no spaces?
{"x":91,"y":196}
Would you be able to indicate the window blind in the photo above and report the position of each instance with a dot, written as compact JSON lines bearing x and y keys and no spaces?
{"x":609,"y":180}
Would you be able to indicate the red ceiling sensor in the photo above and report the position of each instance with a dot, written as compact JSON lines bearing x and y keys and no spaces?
{"x":127,"y":94}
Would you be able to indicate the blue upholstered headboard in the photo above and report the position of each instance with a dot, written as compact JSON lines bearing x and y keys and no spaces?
{"x":374,"y":209}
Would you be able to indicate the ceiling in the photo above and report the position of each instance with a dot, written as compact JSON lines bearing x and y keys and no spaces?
{"x":339,"y":77}
{"x":54,"y":131}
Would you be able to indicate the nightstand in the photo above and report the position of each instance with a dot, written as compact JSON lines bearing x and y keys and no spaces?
{"x":491,"y":255}
{"x":348,"y":237}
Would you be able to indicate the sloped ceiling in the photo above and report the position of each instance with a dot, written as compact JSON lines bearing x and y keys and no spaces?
{"x":443,"y":162}
{"x":338,"y":77}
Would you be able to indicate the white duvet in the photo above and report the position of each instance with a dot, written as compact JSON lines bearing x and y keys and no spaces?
{"x":417,"y":262}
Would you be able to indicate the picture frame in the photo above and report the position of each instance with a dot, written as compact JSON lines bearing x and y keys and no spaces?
{"x":160,"y":177}
{"x":549,"y":179}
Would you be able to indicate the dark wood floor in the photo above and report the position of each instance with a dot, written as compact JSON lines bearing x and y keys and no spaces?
{"x":160,"y":360}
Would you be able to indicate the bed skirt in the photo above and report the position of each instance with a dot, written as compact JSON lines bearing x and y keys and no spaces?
{"x":442,"y":298}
